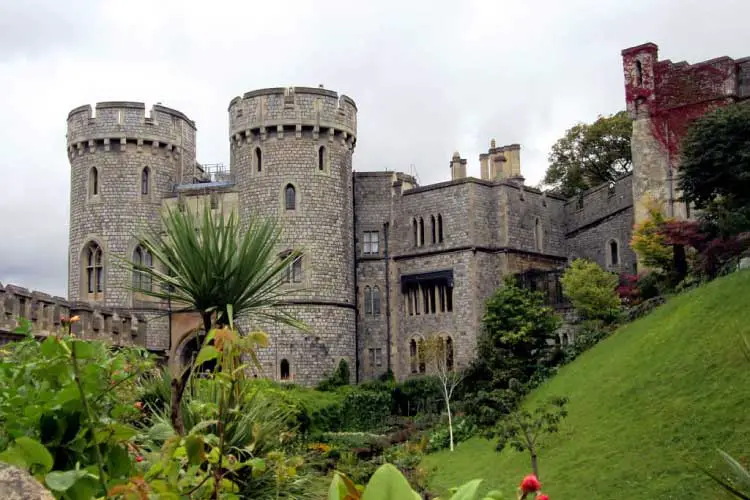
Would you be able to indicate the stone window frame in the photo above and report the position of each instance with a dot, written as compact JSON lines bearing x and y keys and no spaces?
{"x":83,"y":267}
{"x":611,"y":263}
{"x":440,"y":233}
{"x":421,"y":231}
{"x":93,"y":177}
{"x":257,"y":159}
{"x":372,"y":300}
{"x":139,"y":299}
{"x":300,"y":265}
{"x":538,"y":231}
{"x":417,"y":363}
{"x":322,"y":151}
{"x":368,"y":234}
{"x":297,"y":198}
{"x":145,"y":182}
{"x":415,"y":232}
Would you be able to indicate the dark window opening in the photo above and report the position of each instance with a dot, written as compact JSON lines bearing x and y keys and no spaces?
{"x":416,"y":236}
{"x":413,"y":355}
{"x":94,"y":181}
{"x":433,"y":229}
{"x":376,"y":301}
{"x":321,"y":158}
{"x":284,"y":369}
{"x":290,"y":197}
{"x":614,"y":254}
{"x":258,"y":159}
{"x":144,"y":180}
{"x":638,"y":73}
{"x":421,"y":353}
{"x":440,"y":228}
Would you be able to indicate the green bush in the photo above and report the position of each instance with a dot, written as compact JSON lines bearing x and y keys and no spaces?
{"x":592,"y":290}
{"x":339,"y":378}
{"x":365,"y":410}
{"x":439,"y":439}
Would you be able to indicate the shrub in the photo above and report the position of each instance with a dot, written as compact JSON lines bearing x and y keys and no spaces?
{"x":592,"y":290}
{"x":365,"y":410}
{"x":339,"y":378}
{"x":440,"y":438}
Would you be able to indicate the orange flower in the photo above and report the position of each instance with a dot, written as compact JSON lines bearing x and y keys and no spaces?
{"x":75,"y":318}
{"x":138,"y":405}
{"x":530,"y":484}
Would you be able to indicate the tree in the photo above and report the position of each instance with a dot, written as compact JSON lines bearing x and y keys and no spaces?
{"x":591,"y":289}
{"x":213,"y":266}
{"x":512,"y":345}
{"x":439,"y":356}
{"x":714,"y":170}
{"x":590,"y":154}
{"x":521,"y":429}
{"x":650,"y":244}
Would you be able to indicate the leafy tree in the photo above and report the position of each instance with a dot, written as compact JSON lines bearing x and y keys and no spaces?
{"x":522,"y":429}
{"x":591,"y":289}
{"x":437,"y":357}
{"x":714,"y":171}
{"x":590,"y":154}
{"x":211,"y":265}
{"x":650,"y":244}
{"x":513,"y":342}
{"x":339,"y":378}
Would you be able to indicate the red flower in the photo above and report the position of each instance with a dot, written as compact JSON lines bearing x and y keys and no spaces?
{"x":542,"y":496}
{"x":139,"y":459}
{"x":530,"y":484}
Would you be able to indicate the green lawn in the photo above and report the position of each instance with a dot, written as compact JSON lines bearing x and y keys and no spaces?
{"x":647,"y":403}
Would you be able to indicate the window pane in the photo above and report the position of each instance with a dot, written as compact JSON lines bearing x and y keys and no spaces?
{"x":376,"y":300}
{"x":368,"y":300}
{"x":375,"y":236}
{"x":297,"y":270}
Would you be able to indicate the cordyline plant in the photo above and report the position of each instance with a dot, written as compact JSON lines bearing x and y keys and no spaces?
{"x":205,"y":264}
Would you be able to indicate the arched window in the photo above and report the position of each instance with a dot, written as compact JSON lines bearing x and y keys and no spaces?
{"x":94,"y":275}
{"x":538,"y":235}
{"x":449,"y":353}
{"x":433,"y":229}
{"x":638,"y":73}
{"x":368,"y":300}
{"x":440,"y":228}
{"x":144,"y":180}
{"x":93,"y":181}
{"x":284,"y":369}
{"x":376,"y":301}
{"x":420,"y":355}
{"x":141,"y":279}
{"x":416,"y":235}
{"x":413,"y":355}
{"x":321,"y":158}
{"x":290,"y":197}
{"x":614,"y":253}
{"x":258,"y":159}
{"x":421,"y":231}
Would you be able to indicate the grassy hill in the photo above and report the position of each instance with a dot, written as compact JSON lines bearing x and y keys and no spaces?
{"x":659,"y":395}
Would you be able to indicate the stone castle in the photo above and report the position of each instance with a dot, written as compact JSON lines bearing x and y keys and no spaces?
{"x":385,"y":262}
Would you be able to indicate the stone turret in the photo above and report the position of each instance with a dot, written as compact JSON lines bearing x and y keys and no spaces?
{"x":458,"y":167}
{"x":500,"y":163}
{"x":123,"y":163}
{"x":291,"y":153}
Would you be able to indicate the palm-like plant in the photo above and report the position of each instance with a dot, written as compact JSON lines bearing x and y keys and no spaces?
{"x":210,"y":265}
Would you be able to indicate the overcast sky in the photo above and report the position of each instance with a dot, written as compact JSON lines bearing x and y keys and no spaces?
{"x":429,"y":77}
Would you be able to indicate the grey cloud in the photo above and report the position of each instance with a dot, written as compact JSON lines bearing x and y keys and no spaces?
{"x":429,"y":77}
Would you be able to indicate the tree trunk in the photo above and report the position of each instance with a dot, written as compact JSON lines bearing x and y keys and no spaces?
{"x":534,"y":465}
{"x":680,"y":262}
{"x":450,"y":421}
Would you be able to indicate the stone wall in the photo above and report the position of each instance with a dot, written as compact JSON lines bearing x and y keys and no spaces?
{"x":600,"y":216}
{"x":44,"y":313}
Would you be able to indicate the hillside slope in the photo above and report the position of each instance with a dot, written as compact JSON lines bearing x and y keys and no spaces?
{"x":659,"y":395}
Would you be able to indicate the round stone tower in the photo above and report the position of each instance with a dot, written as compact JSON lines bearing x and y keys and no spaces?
{"x":123,"y":163}
{"x":291,"y":154}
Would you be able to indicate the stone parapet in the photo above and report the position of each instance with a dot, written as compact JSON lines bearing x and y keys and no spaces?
{"x":291,"y":112}
{"x":45,"y":312}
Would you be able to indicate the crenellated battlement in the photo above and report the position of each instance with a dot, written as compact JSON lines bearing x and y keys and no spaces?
{"x":292,"y":112}
{"x":118,"y":327}
{"x":115,"y":125}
